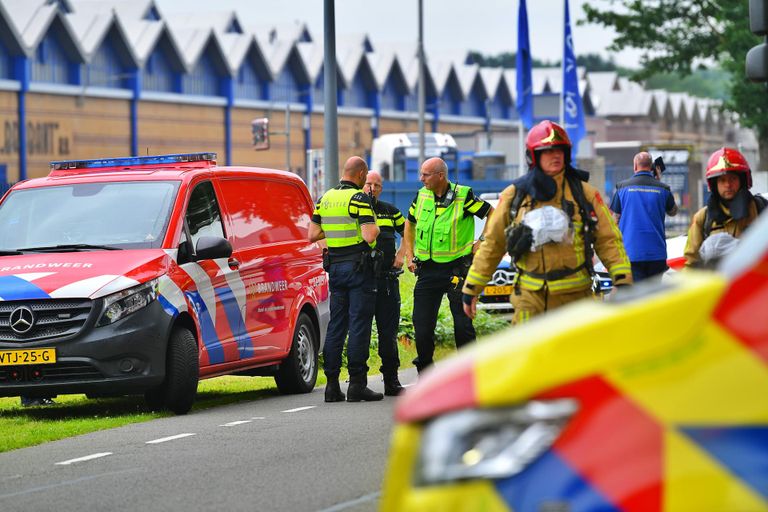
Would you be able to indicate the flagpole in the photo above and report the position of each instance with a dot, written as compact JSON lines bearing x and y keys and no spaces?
{"x":524,"y":82}
{"x":521,"y":148}
{"x":571,"y":106}
{"x":562,"y":72}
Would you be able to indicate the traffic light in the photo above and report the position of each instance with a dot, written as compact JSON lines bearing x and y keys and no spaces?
{"x":757,"y":57}
{"x":260,"y":130}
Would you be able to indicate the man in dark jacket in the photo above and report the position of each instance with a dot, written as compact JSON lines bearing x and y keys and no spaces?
{"x":391,"y":223}
{"x":639,"y":205}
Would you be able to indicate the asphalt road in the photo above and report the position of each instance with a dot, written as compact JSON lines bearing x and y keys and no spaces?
{"x":288,"y":453}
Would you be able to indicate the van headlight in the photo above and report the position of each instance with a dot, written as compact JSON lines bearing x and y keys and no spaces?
{"x":121,"y":304}
{"x":490,"y":443}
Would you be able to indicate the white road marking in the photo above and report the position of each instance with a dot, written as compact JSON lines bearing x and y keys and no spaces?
{"x":66,"y":482}
{"x":170,"y":438}
{"x":258,"y":418}
{"x":352,"y":503}
{"x":235,"y":423}
{"x":83,"y":459}
{"x":300,"y":408}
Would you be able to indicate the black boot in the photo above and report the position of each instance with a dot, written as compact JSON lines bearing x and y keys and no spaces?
{"x":358,"y":390}
{"x":392,"y":386}
{"x":333,"y":390}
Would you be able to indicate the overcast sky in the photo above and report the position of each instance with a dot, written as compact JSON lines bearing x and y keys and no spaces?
{"x":489,"y":26}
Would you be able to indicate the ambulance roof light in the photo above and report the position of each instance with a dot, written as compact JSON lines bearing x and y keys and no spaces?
{"x":133,"y":161}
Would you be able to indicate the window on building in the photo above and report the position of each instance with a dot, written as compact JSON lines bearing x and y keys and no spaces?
{"x":450,"y":100}
{"x":362,"y":90}
{"x":249,"y":85}
{"x":287,"y":87}
{"x":393,"y":94}
{"x":474,"y":104}
{"x":318,"y":91}
{"x":204,"y":80}
{"x":158,"y":74}
{"x":105,"y":68}
{"x":500,"y":106}
{"x":6,"y":66}
{"x":51,"y":63}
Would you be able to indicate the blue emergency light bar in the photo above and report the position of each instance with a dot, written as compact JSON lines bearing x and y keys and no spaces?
{"x":132,"y":161}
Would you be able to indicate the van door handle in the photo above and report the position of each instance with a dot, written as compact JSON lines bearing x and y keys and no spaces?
{"x":233,"y":263}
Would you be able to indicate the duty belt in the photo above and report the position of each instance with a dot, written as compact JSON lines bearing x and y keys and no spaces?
{"x":344,"y":258}
{"x":554,"y":275}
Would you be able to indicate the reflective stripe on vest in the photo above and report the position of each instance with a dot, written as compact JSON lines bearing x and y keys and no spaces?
{"x":445,"y":237}
{"x":340,"y":229}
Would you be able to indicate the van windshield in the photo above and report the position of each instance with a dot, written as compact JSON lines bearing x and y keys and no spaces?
{"x":124,"y":215}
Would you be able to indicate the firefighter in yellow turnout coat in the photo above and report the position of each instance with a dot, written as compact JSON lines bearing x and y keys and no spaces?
{"x":554,"y":273}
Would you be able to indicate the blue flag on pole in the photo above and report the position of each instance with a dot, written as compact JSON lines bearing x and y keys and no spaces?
{"x":523,"y":64}
{"x":573,"y":109}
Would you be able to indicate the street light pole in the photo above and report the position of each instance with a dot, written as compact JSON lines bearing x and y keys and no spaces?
{"x":422,"y":91}
{"x":330,"y":122}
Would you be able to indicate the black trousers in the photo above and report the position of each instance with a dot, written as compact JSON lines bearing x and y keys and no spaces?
{"x":648,"y":269}
{"x":388,"y":323}
{"x":433,"y":282}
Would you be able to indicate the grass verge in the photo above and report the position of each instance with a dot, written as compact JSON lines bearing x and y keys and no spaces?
{"x":74,"y":415}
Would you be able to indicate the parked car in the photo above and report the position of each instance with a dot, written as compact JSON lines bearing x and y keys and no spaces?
{"x":654,"y":401}
{"x":142,"y":275}
{"x":495,"y":296}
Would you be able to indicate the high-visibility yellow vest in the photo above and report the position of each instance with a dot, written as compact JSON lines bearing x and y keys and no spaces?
{"x":445,"y":237}
{"x":341,"y":229}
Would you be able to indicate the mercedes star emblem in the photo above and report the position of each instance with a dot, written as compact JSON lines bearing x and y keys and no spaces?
{"x":22,"y":319}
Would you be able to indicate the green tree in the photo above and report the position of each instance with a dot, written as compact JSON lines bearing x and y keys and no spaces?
{"x":679,"y":36}
{"x":596,"y":62}
{"x":504,"y":60}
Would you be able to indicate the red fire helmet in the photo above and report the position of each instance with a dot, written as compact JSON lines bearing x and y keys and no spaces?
{"x":546,"y":135}
{"x":727,"y":160}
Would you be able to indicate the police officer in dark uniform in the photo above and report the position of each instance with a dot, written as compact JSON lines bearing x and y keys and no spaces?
{"x":345,"y":219}
{"x":390,"y":221}
{"x":440,"y":234}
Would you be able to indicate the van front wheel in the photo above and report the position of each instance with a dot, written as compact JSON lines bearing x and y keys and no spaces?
{"x":298,"y":372}
{"x":178,"y":390}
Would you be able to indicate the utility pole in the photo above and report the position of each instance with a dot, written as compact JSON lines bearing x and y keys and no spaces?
{"x":422,"y":89}
{"x":330,"y":122}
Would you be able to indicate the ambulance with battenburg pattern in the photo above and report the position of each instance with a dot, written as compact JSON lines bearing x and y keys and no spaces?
{"x":654,"y":401}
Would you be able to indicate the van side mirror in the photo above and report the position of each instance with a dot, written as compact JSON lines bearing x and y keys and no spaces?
{"x":212,"y":247}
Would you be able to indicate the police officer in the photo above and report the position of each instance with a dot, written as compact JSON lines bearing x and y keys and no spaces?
{"x":731,"y":207}
{"x":639,"y":205}
{"x":390,"y":221}
{"x":555,"y":272}
{"x":440,"y":234}
{"x":344,"y":217}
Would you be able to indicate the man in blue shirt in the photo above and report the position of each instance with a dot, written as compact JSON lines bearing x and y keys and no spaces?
{"x":639,"y":205}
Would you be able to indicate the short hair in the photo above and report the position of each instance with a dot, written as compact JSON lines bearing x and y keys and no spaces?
{"x":643,"y":160}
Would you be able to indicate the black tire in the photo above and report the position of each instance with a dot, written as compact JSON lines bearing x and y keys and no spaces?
{"x":178,"y":390}
{"x":298,"y":371}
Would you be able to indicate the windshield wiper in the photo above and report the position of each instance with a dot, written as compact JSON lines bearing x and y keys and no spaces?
{"x":9,"y":252}
{"x":68,"y":248}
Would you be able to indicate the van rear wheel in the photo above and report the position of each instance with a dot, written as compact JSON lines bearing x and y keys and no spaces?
{"x":298,"y":372}
{"x":178,"y":390}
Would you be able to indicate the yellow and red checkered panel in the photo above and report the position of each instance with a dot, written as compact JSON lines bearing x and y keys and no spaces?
{"x":672,"y":417}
